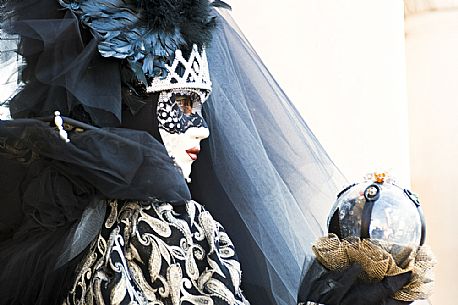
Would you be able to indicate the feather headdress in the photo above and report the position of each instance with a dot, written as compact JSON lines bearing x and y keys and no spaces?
{"x":147,"y":32}
{"x":59,"y":41}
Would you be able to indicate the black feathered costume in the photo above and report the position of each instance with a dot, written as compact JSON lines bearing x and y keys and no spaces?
{"x":261,"y":174}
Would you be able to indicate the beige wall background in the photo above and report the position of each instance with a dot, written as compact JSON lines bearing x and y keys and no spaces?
{"x":343,"y":64}
{"x":376,"y":80}
{"x":432,"y":67}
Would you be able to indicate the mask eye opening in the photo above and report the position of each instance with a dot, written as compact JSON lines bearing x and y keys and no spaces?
{"x":184,"y":102}
{"x":188,"y":101}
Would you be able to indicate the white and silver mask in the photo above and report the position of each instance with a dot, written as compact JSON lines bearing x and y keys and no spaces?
{"x":181,"y":125}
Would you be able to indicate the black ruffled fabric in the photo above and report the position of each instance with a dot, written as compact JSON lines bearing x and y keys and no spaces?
{"x":48,"y":186}
{"x":72,"y":50}
{"x":94,"y":156}
{"x":344,"y":287}
{"x":64,"y":70}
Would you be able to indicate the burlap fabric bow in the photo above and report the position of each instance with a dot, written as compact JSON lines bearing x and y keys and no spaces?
{"x":379,"y":260}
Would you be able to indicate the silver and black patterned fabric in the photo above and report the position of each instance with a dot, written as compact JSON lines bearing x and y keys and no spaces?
{"x":155,"y":253}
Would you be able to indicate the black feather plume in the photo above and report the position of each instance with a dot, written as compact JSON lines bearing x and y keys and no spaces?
{"x":193,"y":18}
{"x":221,"y":4}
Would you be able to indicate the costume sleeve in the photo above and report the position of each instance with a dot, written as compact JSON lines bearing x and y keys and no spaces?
{"x":346,"y":288}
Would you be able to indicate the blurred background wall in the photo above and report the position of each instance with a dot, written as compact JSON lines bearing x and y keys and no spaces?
{"x":432,"y":78}
{"x":342,"y":63}
{"x":376,"y":81}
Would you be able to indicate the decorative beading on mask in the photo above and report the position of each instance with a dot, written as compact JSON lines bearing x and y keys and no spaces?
{"x":185,"y":74}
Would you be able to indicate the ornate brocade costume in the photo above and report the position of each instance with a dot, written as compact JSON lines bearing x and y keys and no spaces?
{"x":155,"y":253}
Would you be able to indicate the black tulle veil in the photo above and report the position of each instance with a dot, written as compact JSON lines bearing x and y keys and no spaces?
{"x":262,"y":173}
{"x":271,"y":183}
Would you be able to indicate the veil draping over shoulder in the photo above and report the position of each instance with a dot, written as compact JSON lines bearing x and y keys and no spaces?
{"x":262,"y":173}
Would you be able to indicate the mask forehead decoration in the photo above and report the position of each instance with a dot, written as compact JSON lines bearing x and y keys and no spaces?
{"x":191,"y":73}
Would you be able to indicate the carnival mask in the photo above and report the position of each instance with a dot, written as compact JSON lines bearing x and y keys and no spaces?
{"x":182,"y":126}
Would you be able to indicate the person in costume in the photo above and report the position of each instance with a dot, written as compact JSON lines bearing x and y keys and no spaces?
{"x":155,"y":246}
{"x":92,"y":211}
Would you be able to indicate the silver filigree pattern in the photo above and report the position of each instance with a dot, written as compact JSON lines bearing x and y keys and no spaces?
{"x":153,"y":253}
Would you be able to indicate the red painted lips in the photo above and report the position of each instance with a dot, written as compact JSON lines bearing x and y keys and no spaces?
{"x":193,"y":152}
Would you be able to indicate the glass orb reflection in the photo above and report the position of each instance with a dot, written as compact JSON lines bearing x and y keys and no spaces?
{"x":394,"y":219}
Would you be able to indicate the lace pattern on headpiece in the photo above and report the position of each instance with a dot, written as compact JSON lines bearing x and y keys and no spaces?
{"x":195,"y":75}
